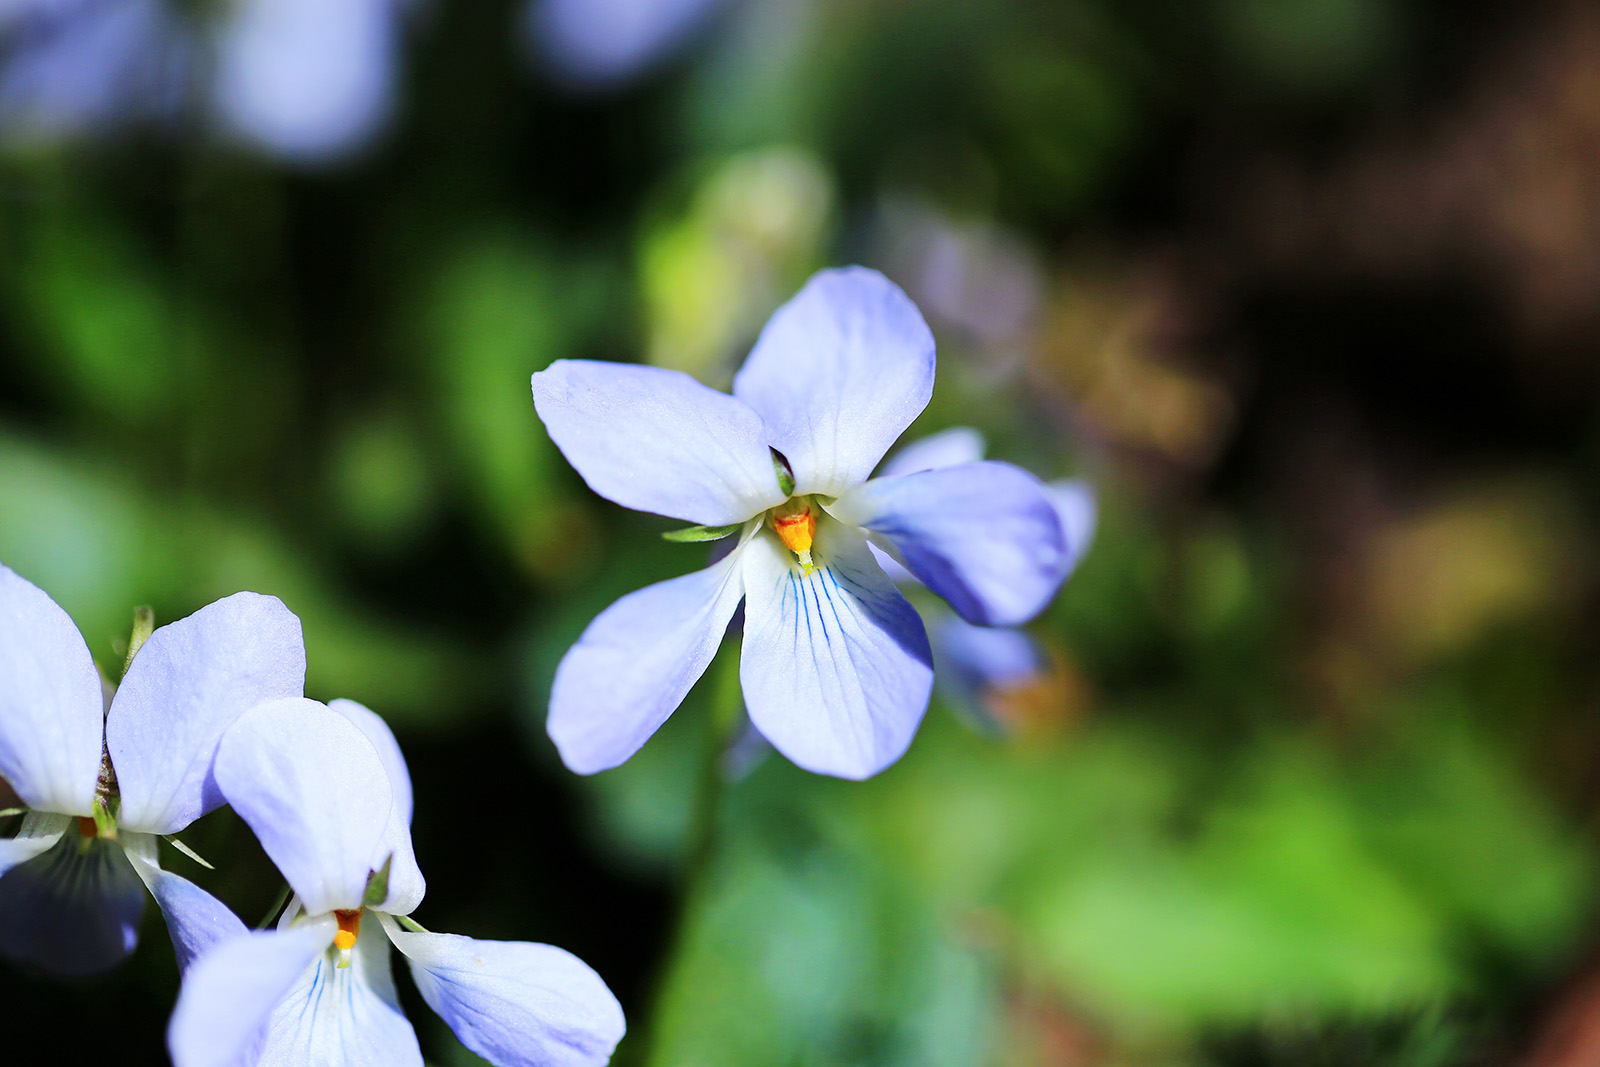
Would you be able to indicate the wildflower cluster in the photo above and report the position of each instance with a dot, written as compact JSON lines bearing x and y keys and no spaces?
{"x":836,"y":670}
{"x":211,"y":711}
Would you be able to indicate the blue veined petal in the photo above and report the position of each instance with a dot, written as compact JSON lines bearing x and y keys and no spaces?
{"x":657,"y":440}
{"x":310,"y":785}
{"x":307,"y":79}
{"x":835,"y":667}
{"x":406,"y":885}
{"x":343,"y":1017}
{"x":196,"y":920}
{"x":982,"y":535}
{"x":51,"y":710}
{"x":838,"y":373}
{"x":515,"y":1003}
{"x":233,"y":990}
{"x":188,"y":683}
{"x":947,"y":448}
{"x":73,"y":910}
{"x":636,"y":662}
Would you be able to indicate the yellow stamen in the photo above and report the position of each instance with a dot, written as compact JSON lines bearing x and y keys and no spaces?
{"x":795,"y":523}
{"x":345,"y":939}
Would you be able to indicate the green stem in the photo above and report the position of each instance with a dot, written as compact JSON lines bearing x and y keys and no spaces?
{"x":725,"y":714}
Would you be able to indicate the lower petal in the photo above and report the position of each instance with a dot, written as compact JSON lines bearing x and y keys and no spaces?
{"x":636,"y":662}
{"x":835,"y":667}
{"x":232,"y":991}
{"x":973,"y":662}
{"x":72,"y":910}
{"x":515,"y":1003}
{"x":982,"y":535}
{"x":343,"y":1016}
{"x":196,"y":920}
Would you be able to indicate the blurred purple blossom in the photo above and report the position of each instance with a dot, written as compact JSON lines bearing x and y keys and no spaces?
{"x":307,"y":80}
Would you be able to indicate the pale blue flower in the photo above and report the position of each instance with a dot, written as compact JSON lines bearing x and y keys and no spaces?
{"x":976,"y":664}
{"x":835,"y":664}
{"x":307,"y":80}
{"x":102,"y":784}
{"x":327,"y":793}
{"x":593,"y":43}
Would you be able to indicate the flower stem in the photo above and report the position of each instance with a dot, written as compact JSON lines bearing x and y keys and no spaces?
{"x":724,"y":718}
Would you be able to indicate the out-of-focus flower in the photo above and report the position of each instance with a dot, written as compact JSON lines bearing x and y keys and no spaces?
{"x":835,"y":664}
{"x":975,"y":276}
{"x":101,"y":785}
{"x":308,"y":80}
{"x":326,"y":790}
{"x":987,"y":672}
{"x":598,"y":43}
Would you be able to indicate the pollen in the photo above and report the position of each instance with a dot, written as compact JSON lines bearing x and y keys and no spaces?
{"x":795,"y":523}
{"x":345,"y":939}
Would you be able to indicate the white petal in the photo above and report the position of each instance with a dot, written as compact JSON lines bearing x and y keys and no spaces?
{"x":947,"y":448}
{"x":406,"y":885}
{"x":515,"y":1003}
{"x":196,"y":920}
{"x":315,"y":792}
{"x":232,"y":991}
{"x":657,"y":440}
{"x":835,"y":667}
{"x":190,"y":681}
{"x":636,"y":662}
{"x":51,"y":715}
{"x":39,"y":831}
{"x":837,"y":374}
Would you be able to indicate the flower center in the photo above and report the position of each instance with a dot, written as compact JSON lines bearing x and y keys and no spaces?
{"x":345,"y":940}
{"x":795,"y":523}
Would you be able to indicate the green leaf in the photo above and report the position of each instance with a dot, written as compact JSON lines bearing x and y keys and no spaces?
{"x":701,"y":533}
{"x":378,"y":885}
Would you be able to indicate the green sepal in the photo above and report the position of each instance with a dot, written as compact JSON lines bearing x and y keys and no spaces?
{"x":378,"y":885}
{"x":105,"y":821}
{"x":144,"y":624}
{"x":780,"y":466}
{"x":701,"y":533}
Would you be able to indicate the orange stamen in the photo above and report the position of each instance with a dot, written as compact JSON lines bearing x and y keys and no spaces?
{"x":349,"y":927}
{"x":796,"y":530}
{"x":86,"y":826}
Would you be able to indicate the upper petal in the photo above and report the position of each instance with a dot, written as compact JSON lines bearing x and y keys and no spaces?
{"x":191,"y":679}
{"x":1078,"y":512}
{"x":657,"y":440}
{"x":196,"y":920}
{"x":406,"y":885}
{"x":51,"y":714}
{"x":838,"y":373}
{"x":231,"y":992}
{"x":982,"y":535}
{"x":343,"y":1017}
{"x":835,"y":667}
{"x":316,"y":794}
{"x":515,"y":1003}
{"x":71,"y":912}
{"x":636,"y":662}
{"x":947,"y":448}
